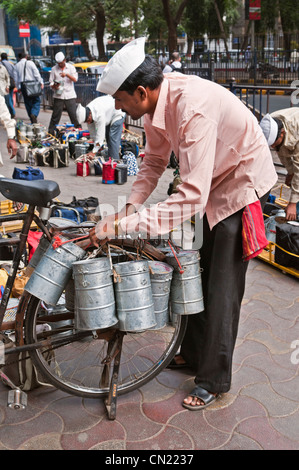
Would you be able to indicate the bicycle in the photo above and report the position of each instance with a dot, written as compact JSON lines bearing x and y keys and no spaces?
{"x":91,"y":364}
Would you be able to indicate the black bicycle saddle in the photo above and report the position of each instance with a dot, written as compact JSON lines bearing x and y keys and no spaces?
{"x":35,"y":193}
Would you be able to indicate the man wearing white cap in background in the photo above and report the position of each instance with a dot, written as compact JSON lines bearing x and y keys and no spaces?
{"x":26,"y":70}
{"x":62,"y":78}
{"x":226,"y":169}
{"x":281,"y":130}
{"x":104,"y":122}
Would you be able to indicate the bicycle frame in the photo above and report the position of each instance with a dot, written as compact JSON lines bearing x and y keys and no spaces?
{"x":27,"y":218}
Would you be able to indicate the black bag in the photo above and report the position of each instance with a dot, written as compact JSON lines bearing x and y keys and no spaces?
{"x":59,"y":157}
{"x":128,"y":146}
{"x":287,"y":237}
{"x":89,"y":204}
{"x":32,"y":88}
{"x":177,"y":69}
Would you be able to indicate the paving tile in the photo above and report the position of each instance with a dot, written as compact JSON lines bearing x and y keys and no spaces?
{"x":228,"y":417}
{"x":239,"y":442}
{"x":204,"y":436}
{"x":162,"y":411}
{"x":260,"y":430}
{"x":79,"y":420}
{"x":288,"y":389}
{"x":169,"y":438}
{"x":275,"y":404}
{"x":273,"y":343}
{"x":105,"y":431}
{"x":266,"y":364}
{"x":288,"y":426}
{"x":137,"y":426}
{"x":14,"y":435}
{"x":42,"y":442}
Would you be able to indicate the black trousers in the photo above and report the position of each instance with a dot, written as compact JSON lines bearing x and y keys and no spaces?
{"x":58,"y":106}
{"x":210,"y":337}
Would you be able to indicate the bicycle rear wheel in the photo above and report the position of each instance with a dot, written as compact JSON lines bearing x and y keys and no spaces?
{"x":73,"y":361}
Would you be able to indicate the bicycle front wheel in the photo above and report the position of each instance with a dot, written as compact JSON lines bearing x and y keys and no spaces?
{"x":76,"y":362}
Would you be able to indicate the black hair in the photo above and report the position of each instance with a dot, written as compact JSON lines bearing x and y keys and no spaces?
{"x":148,"y":74}
{"x":3,"y":56}
{"x":280,"y":127}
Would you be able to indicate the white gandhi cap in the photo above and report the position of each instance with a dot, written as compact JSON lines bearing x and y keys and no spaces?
{"x":59,"y":57}
{"x":269,"y":128}
{"x":121,"y":65}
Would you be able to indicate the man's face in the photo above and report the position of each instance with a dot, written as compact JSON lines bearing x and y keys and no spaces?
{"x":89,"y":120}
{"x":279,"y":141}
{"x":134,"y":105}
{"x":62,"y":64}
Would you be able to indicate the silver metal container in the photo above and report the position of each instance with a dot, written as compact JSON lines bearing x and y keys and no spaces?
{"x":161,"y":275}
{"x":186,"y":288}
{"x":53,"y":272}
{"x":81,"y":149}
{"x":133,"y":295}
{"x":94,"y":294}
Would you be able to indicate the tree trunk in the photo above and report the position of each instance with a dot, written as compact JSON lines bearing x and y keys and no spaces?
{"x":100,"y":30}
{"x":85,"y":46}
{"x":172,"y":23}
{"x":221,"y":26}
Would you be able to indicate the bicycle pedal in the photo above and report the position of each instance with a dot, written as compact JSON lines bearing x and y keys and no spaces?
{"x":17,"y":399}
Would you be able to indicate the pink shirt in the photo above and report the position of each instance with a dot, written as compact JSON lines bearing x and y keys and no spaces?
{"x":224,"y":159}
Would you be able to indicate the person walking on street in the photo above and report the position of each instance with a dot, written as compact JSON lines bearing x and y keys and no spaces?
{"x":26,"y":70}
{"x":10,"y":126}
{"x":281,"y":130}
{"x":104,"y":122}
{"x":62,"y":78}
{"x":226,"y":169}
{"x":9,"y":97}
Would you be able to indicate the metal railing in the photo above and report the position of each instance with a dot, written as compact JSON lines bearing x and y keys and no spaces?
{"x":252,"y":96}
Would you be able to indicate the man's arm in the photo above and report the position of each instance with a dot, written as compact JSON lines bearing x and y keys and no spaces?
{"x":10,"y":126}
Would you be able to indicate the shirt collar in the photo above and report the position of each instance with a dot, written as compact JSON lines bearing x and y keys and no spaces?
{"x":159,"y":114}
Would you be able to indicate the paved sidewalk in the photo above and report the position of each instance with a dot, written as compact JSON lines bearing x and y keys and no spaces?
{"x":261,"y":411}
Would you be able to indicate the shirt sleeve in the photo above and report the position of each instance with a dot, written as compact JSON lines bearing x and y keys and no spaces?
{"x":290,"y":160}
{"x":197,"y":144}
{"x":9,"y":124}
{"x":35,"y":72}
{"x":100,"y":131}
{"x":73,"y":72}
{"x":294,"y":196}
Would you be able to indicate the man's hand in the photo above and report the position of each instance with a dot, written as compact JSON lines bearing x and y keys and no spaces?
{"x":103,"y":231}
{"x":12,"y":147}
{"x":291,"y":213}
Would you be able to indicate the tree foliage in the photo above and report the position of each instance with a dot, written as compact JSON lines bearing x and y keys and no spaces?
{"x":160,"y":20}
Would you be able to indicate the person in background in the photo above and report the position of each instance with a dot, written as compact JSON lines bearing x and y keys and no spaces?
{"x":226,"y":171}
{"x":26,"y":70}
{"x":281,"y":130}
{"x":104,"y":122}
{"x":10,"y":126}
{"x":4,"y":81}
{"x":174,"y":65}
{"x":9,"y":97}
{"x":63,"y":77}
